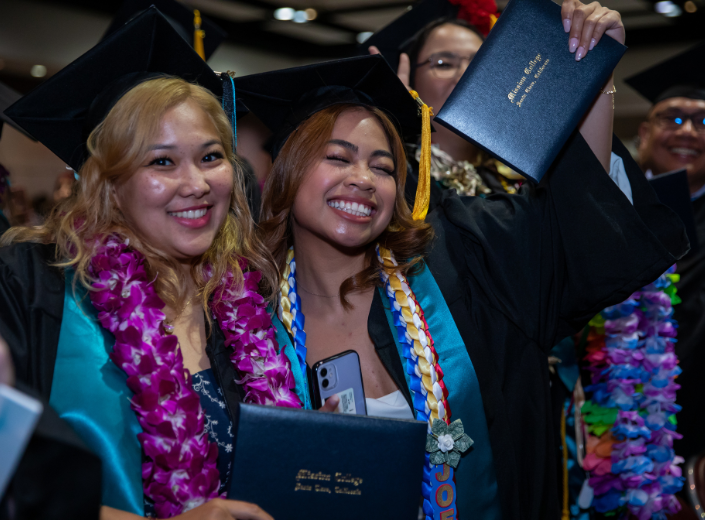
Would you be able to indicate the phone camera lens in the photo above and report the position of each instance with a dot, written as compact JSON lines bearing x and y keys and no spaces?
{"x":324,"y":372}
{"x":324,"y":384}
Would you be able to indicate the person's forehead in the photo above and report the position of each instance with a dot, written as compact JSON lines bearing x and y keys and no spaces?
{"x":679,"y":103}
{"x":452,"y":38}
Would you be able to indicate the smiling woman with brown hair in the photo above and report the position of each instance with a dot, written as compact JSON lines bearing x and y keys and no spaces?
{"x":452,"y":316}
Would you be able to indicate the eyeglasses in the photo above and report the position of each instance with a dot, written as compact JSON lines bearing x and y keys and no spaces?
{"x":676,"y":120}
{"x":446,"y":65}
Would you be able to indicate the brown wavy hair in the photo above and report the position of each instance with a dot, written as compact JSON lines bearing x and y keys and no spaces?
{"x":117,"y":146}
{"x":405,"y":237}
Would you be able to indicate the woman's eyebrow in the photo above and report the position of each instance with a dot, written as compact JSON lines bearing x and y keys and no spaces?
{"x":344,"y":144}
{"x":382,"y":153}
{"x":174,"y":147}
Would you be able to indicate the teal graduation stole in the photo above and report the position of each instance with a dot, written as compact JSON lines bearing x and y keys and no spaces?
{"x":475,"y":485}
{"x":90,"y":393}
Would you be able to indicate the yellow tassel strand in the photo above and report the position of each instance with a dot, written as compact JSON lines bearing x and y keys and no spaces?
{"x":198,"y":35}
{"x":565,"y":510}
{"x":286,"y":317}
{"x":423,"y":190}
{"x":493,"y":20}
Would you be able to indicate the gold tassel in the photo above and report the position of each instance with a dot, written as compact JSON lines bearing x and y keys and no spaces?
{"x":493,"y":20}
{"x":198,"y":35}
{"x":565,"y":513}
{"x":423,"y":190}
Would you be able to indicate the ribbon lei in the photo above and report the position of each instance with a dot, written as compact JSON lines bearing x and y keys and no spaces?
{"x":423,"y":190}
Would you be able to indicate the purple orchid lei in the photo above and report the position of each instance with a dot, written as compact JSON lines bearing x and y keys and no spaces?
{"x":180,"y":470}
{"x":633,"y":399}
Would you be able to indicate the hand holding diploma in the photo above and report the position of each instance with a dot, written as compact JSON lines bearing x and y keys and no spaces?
{"x":587,"y":23}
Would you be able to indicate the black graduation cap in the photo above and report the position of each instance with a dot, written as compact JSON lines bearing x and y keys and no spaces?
{"x":672,"y":190}
{"x":63,"y":110}
{"x":178,"y":15}
{"x":7,"y":97}
{"x":680,"y":76}
{"x":283,"y":99}
{"x":398,"y":36}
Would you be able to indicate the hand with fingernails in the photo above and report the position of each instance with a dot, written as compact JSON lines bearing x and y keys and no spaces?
{"x":587,"y":23}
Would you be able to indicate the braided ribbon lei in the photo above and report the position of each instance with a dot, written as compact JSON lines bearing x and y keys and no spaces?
{"x":429,"y":393}
{"x":430,"y":396}
{"x":180,"y":471}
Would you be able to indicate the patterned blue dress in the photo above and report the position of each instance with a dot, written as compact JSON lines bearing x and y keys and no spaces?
{"x":218,"y":426}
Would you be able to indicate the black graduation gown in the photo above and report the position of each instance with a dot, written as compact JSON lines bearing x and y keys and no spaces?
{"x":4,"y":224}
{"x":521,"y":272}
{"x":690,"y":348}
{"x":518,"y":272}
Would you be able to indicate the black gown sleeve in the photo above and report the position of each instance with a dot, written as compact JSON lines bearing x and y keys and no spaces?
{"x":548,"y":259}
{"x":31,"y":309}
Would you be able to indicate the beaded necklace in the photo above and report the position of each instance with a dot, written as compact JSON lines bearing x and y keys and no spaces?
{"x":428,"y":391}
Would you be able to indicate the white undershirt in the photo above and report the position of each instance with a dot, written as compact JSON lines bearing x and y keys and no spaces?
{"x":391,"y":406}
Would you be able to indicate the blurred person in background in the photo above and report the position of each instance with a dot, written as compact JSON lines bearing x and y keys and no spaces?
{"x":431,"y":56}
{"x":673,"y":138}
{"x":63,"y":185}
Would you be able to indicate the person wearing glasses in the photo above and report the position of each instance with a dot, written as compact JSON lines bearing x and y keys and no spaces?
{"x":673,"y":138}
{"x":433,"y":44}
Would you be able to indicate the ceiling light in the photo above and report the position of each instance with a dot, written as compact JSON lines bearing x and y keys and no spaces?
{"x":284,"y":13}
{"x":668,"y":8}
{"x":363,"y":36}
{"x":300,"y":17}
{"x":690,"y":6}
{"x":664,"y":7}
{"x":38,"y":71}
{"x":311,"y":14}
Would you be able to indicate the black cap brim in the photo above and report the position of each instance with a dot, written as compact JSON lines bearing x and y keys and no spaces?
{"x":8,"y":97}
{"x":283,"y":99}
{"x":396,"y":37}
{"x":680,"y":76}
{"x":179,"y":15}
{"x":673,"y":190}
{"x":55,"y":113}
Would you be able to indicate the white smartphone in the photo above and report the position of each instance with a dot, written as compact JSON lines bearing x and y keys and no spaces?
{"x":340,"y":375}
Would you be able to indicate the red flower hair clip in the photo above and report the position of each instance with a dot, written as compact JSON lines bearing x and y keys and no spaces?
{"x":480,"y":13}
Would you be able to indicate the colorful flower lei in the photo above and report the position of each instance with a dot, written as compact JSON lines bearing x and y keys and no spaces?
{"x":429,"y":394}
{"x":180,"y":470}
{"x":631,"y":411}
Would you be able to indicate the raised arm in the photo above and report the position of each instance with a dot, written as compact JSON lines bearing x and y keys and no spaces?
{"x":586,"y":25}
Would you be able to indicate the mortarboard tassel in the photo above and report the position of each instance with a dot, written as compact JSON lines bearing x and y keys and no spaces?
{"x":493,"y":20}
{"x":229,"y":102}
{"x":423,"y":190}
{"x":198,"y":34}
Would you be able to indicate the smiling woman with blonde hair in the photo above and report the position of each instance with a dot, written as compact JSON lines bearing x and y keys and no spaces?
{"x":143,"y":299}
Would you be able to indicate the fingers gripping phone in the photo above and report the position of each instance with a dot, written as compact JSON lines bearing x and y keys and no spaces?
{"x":341,"y":375}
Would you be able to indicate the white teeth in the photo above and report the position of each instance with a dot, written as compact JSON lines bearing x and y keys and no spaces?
{"x":192,"y":214}
{"x":354,"y":208}
{"x":684,"y":151}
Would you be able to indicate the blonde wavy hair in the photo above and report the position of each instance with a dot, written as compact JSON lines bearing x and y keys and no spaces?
{"x":117,"y":146}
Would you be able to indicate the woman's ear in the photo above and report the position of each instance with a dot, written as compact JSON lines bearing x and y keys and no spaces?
{"x":114,"y":197}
